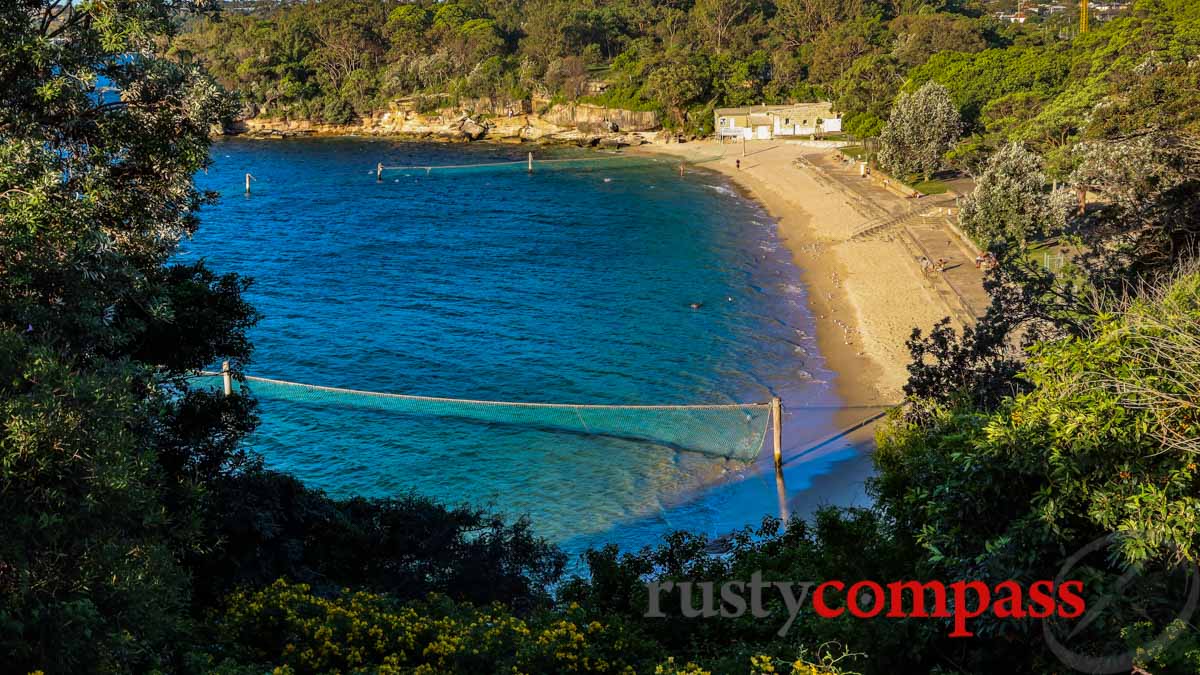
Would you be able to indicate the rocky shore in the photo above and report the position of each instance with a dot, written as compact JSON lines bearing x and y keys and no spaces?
{"x":572,"y":124}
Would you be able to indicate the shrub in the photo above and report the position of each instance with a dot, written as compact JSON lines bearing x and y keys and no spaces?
{"x":270,"y":525}
{"x":289,"y":628}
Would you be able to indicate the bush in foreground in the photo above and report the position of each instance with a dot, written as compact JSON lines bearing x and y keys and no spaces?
{"x":288,"y":628}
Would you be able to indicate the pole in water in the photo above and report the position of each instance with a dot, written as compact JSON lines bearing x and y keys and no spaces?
{"x":777,"y":430}
{"x":530,"y":162}
{"x":248,"y":179}
{"x":227,"y":376}
{"x":781,"y":495}
{"x":379,"y":172}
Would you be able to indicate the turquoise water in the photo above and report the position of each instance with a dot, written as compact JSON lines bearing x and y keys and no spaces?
{"x":574,"y":284}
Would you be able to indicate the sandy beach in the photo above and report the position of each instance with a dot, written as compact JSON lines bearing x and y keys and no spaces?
{"x":867,"y":294}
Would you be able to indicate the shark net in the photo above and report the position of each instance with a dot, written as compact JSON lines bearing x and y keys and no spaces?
{"x":736,"y":431}
{"x":588,"y":163}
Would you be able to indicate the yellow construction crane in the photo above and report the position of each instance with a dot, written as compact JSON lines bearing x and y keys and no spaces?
{"x":1083,"y":16}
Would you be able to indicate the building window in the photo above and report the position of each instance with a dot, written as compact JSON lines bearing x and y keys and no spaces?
{"x":724,"y":122}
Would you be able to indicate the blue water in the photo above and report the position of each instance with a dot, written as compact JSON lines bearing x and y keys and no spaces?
{"x":573,"y":284}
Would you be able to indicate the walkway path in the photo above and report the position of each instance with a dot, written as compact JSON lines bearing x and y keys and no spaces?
{"x":926,"y":232}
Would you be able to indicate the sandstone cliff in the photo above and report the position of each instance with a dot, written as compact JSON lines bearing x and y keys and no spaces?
{"x":481,"y":119}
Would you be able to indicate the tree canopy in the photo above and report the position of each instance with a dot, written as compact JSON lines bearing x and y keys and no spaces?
{"x":1039,"y":83}
{"x":141,"y":536}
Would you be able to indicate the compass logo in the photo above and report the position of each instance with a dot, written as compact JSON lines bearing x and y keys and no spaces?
{"x":1159,"y":595}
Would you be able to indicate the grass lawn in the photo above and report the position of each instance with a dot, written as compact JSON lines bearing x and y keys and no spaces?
{"x":1051,"y":253}
{"x":854,"y":151}
{"x":931,"y":187}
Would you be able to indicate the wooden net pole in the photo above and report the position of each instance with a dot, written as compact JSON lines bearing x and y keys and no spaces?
{"x":227,"y":376}
{"x":777,"y":430}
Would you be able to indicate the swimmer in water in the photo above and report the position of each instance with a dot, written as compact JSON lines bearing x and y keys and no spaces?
{"x":696,"y":305}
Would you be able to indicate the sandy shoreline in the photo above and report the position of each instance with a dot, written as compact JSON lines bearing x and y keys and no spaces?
{"x":866,"y":295}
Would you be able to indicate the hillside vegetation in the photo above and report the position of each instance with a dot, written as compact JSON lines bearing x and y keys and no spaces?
{"x":140,"y":535}
{"x":336,"y":60}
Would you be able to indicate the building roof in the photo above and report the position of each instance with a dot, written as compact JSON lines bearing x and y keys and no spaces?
{"x":767,"y":109}
{"x":747,"y":110}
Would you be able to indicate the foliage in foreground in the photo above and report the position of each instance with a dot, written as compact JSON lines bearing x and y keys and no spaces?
{"x":131,"y":511}
{"x":287,"y":628}
{"x":128,"y":503}
{"x":1101,"y":448}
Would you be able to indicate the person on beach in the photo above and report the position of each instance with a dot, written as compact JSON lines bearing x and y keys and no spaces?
{"x":926,"y":265}
{"x":941,"y":265}
{"x":739,"y":164}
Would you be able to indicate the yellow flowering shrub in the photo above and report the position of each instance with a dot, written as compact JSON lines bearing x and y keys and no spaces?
{"x":826,"y":663}
{"x":287,"y":627}
{"x":672,"y":668}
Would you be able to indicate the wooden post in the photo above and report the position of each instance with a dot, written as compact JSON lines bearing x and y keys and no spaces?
{"x":777,"y":430}
{"x":530,"y":162}
{"x":228,"y":377}
{"x":744,"y":144}
{"x":781,"y":495}
{"x":248,"y":179}
{"x":379,"y":172}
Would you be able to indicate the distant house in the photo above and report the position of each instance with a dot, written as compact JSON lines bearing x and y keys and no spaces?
{"x":766,"y":122}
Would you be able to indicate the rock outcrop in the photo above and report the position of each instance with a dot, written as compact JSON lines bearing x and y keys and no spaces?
{"x":481,"y":119}
{"x":473,"y":130}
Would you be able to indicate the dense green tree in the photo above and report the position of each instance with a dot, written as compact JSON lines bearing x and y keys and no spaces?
{"x":920,"y":36}
{"x":717,"y":20}
{"x":677,"y":84}
{"x":88,"y":573}
{"x":798,"y":22}
{"x":128,"y":501}
{"x":922,"y":128}
{"x":975,"y":79}
{"x":868,"y":89}
{"x":99,"y":139}
{"x":1084,"y":455}
{"x":836,"y":50}
{"x":1010,"y":204}
{"x":1149,"y":211}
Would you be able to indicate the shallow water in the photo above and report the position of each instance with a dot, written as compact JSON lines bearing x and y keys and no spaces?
{"x":573,"y":284}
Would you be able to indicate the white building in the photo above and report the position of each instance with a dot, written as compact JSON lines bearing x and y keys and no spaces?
{"x":766,"y":122}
